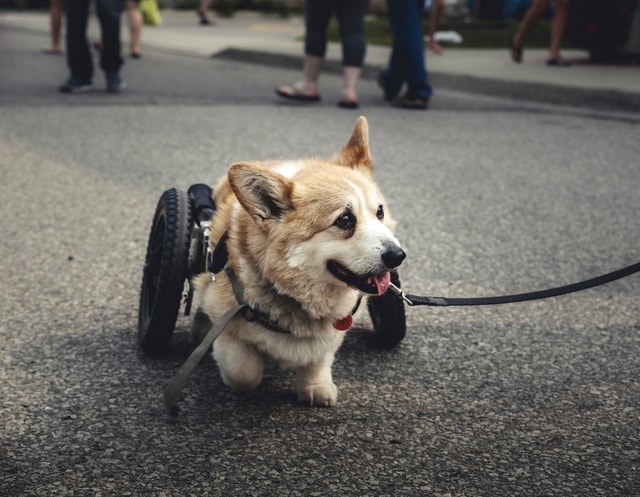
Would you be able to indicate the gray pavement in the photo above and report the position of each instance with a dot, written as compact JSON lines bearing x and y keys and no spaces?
{"x":491,"y":195}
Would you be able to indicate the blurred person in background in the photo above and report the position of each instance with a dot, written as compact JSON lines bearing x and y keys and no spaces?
{"x":79,"y":57}
{"x":558,"y":25}
{"x":203,"y":13}
{"x":55,"y":28}
{"x":407,"y":65}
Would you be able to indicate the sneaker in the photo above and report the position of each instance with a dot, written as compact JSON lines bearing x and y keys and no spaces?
{"x":382,"y":83}
{"x":76,"y":85}
{"x":115,"y":83}
{"x":411,"y":101}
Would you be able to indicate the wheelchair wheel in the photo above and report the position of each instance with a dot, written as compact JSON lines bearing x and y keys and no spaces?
{"x":165,"y":270}
{"x":387,"y":316}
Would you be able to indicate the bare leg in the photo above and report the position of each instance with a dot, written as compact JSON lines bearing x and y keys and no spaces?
{"x":134,"y":20}
{"x":350,"y":81}
{"x":558,"y":27}
{"x":537,"y":9}
{"x":308,"y":86}
{"x":311,"y":74}
{"x":203,"y":12}
{"x":55,"y":19}
{"x":436,"y":15}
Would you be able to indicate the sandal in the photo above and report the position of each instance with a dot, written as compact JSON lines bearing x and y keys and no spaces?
{"x":348,"y":104}
{"x":294,"y":93}
{"x":205,"y":20}
{"x":516,"y":51}
{"x":558,"y":62}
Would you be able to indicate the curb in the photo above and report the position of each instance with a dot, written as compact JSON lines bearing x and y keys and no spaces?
{"x":598,"y":100}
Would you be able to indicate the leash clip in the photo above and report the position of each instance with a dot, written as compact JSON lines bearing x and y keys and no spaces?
{"x":400,"y":294}
{"x":205,"y":227}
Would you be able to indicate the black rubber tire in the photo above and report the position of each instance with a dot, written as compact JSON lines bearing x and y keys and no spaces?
{"x":388,"y":317}
{"x":165,"y":270}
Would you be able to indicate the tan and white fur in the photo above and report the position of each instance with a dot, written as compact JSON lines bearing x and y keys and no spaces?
{"x":306,"y":239}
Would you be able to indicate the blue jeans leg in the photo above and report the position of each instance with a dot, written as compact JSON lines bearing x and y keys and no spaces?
{"x":406,"y":63}
{"x":109,"y":14}
{"x":79,"y":57}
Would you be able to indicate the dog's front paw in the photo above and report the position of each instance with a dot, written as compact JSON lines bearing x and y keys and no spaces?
{"x":319,"y":394}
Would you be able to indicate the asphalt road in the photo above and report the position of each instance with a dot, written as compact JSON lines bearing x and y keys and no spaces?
{"x":491,"y":195}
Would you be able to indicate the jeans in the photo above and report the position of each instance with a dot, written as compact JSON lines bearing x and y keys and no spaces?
{"x":406,"y":63}
{"x":79,"y":58}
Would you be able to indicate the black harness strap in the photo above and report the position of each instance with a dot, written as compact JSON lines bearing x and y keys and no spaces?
{"x":521,"y":297}
{"x":253,"y":315}
{"x":220,"y":255}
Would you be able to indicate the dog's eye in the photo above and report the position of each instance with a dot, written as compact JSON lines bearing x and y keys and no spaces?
{"x":346,"y":221}
{"x":380,"y":213}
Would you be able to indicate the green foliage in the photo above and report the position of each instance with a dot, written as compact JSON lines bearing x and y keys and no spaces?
{"x":475,"y":34}
{"x":228,"y":8}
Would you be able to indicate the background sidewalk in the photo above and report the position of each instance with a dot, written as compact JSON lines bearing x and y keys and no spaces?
{"x":251,"y":37}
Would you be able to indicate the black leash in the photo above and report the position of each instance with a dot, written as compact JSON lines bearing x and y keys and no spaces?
{"x":521,"y":297}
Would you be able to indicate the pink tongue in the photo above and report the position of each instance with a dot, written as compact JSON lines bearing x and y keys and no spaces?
{"x":382,"y":282}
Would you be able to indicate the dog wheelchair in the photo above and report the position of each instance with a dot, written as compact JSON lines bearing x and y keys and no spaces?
{"x":178,"y":249}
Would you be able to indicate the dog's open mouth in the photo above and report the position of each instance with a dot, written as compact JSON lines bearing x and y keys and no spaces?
{"x":376,"y":284}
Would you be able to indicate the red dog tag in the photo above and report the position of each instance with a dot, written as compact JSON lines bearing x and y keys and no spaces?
{"x":343,"y":324}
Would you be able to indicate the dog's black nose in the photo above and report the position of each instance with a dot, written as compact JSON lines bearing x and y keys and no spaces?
{"x":393,"y":257}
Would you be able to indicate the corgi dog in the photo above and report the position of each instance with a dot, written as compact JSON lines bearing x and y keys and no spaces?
{"x":306,"y":240}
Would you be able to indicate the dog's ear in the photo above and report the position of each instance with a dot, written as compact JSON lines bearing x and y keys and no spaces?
{"x":263,"y":193}
{"x":356,"y":152}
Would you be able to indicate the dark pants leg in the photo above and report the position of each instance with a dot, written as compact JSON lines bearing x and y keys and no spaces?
{"x":406,"y":63}
{"x":317,"y":14}
{"x":78,"y":52}
{"x":350,"y":16}
{"x":109,"y":14}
